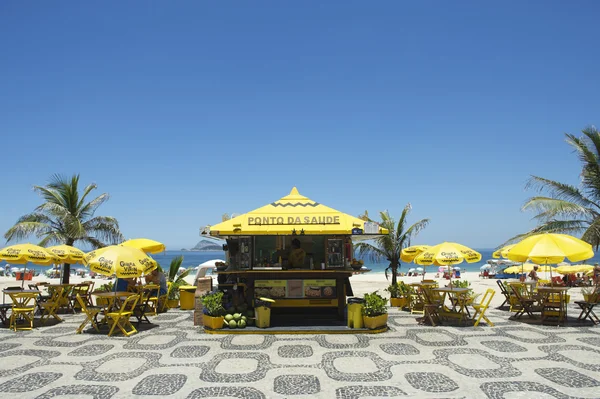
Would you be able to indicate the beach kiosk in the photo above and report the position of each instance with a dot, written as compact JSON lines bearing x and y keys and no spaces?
{"x":295,"y":251}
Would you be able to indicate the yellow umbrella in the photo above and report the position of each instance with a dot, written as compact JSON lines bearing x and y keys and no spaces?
{"x":145,"y":244}
{"x":550,"y":248}
{"x":67,"y":254}
{"x":574,"y":269}
{"x":124,"y":262}
{"x":27,"y":253}
{"x":408,"y":254}
{"x":503,"y":252}
{"x":447,"y":254}
{"x":527,"y":267}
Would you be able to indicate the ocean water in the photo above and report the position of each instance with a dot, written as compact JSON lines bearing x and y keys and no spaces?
{"x":193,"y":259}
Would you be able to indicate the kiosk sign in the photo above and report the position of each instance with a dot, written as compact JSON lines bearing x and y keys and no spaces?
{"x":292,"y":220}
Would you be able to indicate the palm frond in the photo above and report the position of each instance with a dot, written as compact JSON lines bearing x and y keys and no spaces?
{"x":89,"y":209}
{"x":174,"y":267}
{"x":560,"y":191}
{"x":414,"y":230}
{"x":552,"y":208}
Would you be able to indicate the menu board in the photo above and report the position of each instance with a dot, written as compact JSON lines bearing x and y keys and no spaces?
{"x":303,"y":289}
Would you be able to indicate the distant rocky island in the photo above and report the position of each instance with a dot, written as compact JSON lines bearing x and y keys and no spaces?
{"x":206,"y":245}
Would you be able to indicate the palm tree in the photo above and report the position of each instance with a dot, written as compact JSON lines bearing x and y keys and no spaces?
{"x":66,"y":218}
{"x":389,"y":246}
{"x":566,"y":208}
{"x":174,"y":277}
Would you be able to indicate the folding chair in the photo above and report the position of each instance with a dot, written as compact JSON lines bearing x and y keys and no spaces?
{"x":23,"y":307}
{"x":51,"y":306}
{"x":91,"y":313}
{"x":88,"y":297}
{"x":141,"y":308}
{"x":527,"y":303}
{"x":504,"y":292}
{"x":83,"y":291}
{"x":482,"y":306}
{"x":433,"y":303}
{"x":5,"y":307}
{"x":415,"y":301}
{"x":121,"y":318}
{"x":554,"y":305}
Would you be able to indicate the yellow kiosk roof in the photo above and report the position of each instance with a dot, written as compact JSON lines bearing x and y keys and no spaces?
{"x":294,"y":213}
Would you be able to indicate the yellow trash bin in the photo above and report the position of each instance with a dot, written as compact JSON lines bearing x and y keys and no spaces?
{"x":355,"y":306}
{"x":186,"y":297}
{"x":262,"y":308}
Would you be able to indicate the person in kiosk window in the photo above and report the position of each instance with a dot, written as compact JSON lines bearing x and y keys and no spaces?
{"x":297,"y":255}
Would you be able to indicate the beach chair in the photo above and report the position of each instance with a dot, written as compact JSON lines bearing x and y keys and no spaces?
{"x":91,"y":314}
{"x":157,"y":302}
{"x":51,"y":306}
{"x":23,"y":308}
{"x":121,"y":317}
{"x":482,"y":306}
{"x":504,"y":292}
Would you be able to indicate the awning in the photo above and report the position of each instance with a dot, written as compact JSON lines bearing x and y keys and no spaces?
{"x":295,"y":214}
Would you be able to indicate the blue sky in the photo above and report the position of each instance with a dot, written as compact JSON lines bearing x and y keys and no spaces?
{"x":186,"y":110}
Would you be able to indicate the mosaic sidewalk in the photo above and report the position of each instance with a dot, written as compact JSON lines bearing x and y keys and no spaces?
{"x":174,"y":359}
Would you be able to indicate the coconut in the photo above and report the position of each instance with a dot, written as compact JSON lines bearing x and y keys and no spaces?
{"x":232,"y":324}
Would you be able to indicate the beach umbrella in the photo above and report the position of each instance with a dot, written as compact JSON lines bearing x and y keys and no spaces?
{"x":571,"y":269}
{"x":527,"y":267}
{"x":145,"y":244}
{"x":503,"y":252}
{"x":447,"y":254}
{"x":122,"y":261}
{"x":27,"y":253}
{"x":408,"y":254}
{"x":551,"y":248}
{"x":67,"y":254}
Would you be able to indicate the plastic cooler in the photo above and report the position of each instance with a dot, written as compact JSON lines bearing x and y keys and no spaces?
{"x":187,"y":297}
{"x":355,"y":318}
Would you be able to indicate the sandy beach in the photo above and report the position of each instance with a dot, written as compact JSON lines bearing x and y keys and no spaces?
{"x":361,"y":284}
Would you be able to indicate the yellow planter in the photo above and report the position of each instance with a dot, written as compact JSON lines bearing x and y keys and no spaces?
{"x":399,"y":302}
{"x":374,"y":322}
{"x":213,"y":322}
{"x":173,"y":303}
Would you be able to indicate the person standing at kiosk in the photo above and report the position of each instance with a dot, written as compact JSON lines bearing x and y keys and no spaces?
{"x":297,"y":255}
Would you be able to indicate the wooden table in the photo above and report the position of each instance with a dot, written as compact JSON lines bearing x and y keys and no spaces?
{"x":548,"y":304}
{"x":461,"y":302}
{"x":66,"y":303}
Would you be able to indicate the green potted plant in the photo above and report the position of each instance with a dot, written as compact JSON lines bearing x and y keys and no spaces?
{"x":398,"y":294}
{"x":213,"y":310}
{"x":174,"y":281}
{"x":374,"y":311}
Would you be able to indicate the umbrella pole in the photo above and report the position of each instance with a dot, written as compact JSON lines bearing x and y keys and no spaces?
{"x":23,"y":275}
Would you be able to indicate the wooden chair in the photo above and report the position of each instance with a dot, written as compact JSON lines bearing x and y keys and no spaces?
{"x":51,"y":306}
{"x":141,"y":309}
{"x":504,"y":292}
{"x":82,"y":290}
{"x":23,"y":308}
{"x":433,"y":303}
{"x":415,"y":301}
{"x":5,"y":307}
{"x":528,"y":304}
{"x":91,"y":313}
{"x":482,"y":306}
{"x":555,"y":306}
{"x":121,"y":318}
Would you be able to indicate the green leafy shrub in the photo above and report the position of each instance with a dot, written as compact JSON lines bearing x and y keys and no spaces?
{"x":398,"y":290}
{"x":212,"y":304}
{"x":375,"y":305}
